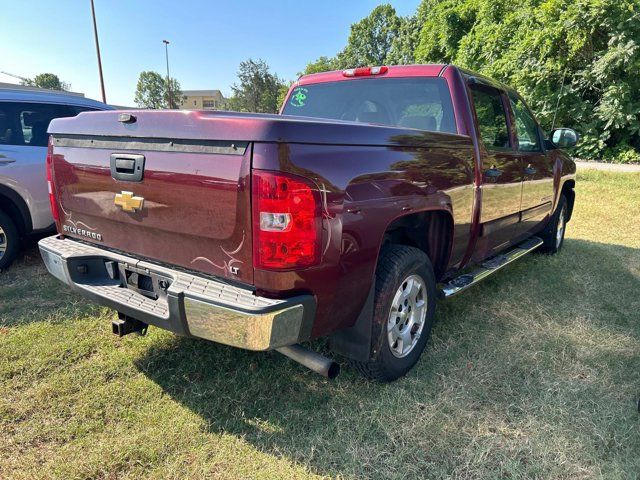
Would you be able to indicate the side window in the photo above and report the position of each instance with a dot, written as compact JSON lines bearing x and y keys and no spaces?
{"x":26,"y":124}
{"x":7,"y":122}
{"x":492,"y":119}
{"x":526,"y":126}
{"x":34,"y":119}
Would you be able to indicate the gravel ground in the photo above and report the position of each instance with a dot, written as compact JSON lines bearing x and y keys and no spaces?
{"x":608,"y":167}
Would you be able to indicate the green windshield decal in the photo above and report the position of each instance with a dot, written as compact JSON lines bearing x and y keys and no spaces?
{"x":299,"y":97}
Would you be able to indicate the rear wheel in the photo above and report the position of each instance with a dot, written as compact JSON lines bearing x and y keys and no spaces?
{"x":9,"y":240}
{"x":553,"y":234}
{"x":404,"y":310}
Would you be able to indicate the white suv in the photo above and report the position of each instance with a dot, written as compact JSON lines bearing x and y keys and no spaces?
{"x":24,"y":200}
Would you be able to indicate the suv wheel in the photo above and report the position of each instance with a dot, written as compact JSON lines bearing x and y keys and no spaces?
{"x":9,"y":240}
{"x":553,"y":234}
{"x":404,"y":310}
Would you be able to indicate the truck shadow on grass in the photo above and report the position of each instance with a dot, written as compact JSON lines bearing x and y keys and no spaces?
{"x":541,"y":356}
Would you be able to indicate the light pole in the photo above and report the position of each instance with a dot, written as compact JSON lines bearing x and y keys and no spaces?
{"x":95,"y":34}
{"x":166,"y":52}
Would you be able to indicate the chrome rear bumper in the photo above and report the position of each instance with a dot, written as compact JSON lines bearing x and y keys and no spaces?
{"x":191,"y":305}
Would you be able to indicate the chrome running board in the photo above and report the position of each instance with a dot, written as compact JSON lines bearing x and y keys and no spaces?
{"x":488,"y":267}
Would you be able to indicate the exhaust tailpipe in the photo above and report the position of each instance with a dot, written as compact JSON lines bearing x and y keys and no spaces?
{"x":312,"y":360}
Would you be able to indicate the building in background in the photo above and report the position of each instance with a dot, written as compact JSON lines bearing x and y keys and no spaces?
{"x":202,"y":100}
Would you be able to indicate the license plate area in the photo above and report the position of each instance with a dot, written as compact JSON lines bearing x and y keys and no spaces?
{"x":150,"y":284}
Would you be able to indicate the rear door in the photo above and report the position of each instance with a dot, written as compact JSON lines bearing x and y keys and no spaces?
{"x":502,"y":170}
{"x":537,"y":186}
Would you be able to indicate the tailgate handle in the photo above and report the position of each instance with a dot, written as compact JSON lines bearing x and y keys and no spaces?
{"x":127,"y":167}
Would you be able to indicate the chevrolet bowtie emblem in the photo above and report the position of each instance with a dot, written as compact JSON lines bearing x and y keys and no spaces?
{"x":128,"y":201}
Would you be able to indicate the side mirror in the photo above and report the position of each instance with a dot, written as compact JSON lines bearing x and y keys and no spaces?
{"x":564,"y":137}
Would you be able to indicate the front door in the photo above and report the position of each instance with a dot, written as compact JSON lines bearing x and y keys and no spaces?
{"x":502,"y":171}
{"x":537,"y":186}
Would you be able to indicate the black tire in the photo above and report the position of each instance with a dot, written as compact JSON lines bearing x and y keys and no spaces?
{"x":9,"y":241}
{"x":552,"y":241}
{"x":398,"y":263}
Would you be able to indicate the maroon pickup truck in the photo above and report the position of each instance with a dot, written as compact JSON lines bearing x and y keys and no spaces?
{"x":375,"y":191}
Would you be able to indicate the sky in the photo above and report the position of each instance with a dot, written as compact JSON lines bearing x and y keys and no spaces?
{"x":208,"y":39}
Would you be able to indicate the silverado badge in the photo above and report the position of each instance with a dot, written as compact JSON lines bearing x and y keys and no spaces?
{"x":128,"y":201}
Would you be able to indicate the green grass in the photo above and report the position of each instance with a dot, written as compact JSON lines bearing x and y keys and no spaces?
{"x":533,"y":373}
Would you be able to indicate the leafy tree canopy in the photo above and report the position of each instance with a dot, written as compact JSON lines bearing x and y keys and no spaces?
{"x":258,"y":89}
{"x":322,"y":64}
{"x":581,"y":55}
{"x":47,"y":80}
{"x":152,"y":91}
{"x":371,"y":38}
{"x":381,"y":38}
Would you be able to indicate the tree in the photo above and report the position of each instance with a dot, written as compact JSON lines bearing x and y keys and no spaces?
{"x":282,"y":93}
{"x":152,"y":92}
{"x":583,"y":55}
{"x":371,"y":38}
{"x":381,"y":38}
{"x":47,"y":80}
{"x":176,"y":93}
{"x":258,"y":89}
{"x":322,"y":64}
{"x":405,"y":43}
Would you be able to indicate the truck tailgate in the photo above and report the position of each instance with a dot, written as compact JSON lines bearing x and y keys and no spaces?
{"x":191,"y":208}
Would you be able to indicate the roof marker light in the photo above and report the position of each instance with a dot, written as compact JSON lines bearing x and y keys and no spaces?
{"x":365,"y":71}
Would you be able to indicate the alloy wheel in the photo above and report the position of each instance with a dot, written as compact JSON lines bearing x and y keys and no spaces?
{"x":561,"y":224}
{"x":3,"y":242}
{"x":407,"y":316}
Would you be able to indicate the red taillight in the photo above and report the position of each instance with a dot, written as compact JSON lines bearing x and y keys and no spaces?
{"x":365,"y":71}
{"x":287,"y":222}
{"x":52,"y":195}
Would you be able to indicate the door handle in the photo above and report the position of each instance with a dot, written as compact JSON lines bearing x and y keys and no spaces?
{"x":493,"y":172}
{"x":6,"y":161}
{"x":530,"y":171}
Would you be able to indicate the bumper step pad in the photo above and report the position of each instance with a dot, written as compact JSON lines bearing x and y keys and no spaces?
{"x":191,"y":304}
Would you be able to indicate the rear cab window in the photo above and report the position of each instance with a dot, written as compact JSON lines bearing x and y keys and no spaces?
{"x":422,"y":103}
